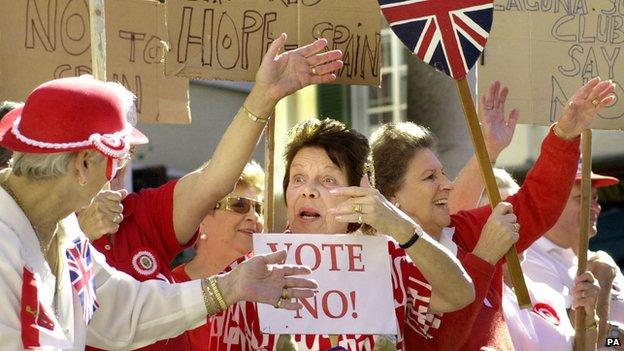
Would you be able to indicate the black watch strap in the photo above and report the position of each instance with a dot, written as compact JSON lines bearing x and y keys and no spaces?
{"x":411,"y":241}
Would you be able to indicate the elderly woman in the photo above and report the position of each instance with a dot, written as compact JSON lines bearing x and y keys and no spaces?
{"x":69,"y":140}
{"x":225,"y":236}
{"x":325,"y":163}
{"x":411,"y":176}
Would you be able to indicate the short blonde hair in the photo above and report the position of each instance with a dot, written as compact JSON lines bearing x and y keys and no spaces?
{"x":42,"y":166}
{"x":252,"y":176}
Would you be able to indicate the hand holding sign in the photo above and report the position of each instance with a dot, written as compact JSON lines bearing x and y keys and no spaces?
{"x":368,"y":205}
{"x":280,"y":75}
{"x":262,"y":279}
{"x":584,"y":107}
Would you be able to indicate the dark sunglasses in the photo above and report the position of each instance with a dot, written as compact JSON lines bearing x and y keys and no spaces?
{"x":240,"y":205}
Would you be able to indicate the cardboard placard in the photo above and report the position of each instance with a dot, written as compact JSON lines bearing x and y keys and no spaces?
{"x":355,"y":289}
{"x":227,"y":39}
{"x":42,"y":40}
{"x":545,"y":50}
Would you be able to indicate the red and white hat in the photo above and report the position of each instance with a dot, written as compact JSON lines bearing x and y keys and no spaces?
{"x":597,"y":180}
{"x":72,"y":114}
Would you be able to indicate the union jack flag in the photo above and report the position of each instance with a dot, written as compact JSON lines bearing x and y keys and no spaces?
{"x":447,"y":34}
{"x":80,"y":265}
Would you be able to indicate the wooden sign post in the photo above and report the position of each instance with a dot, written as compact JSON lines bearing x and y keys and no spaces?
{"x":579,"y":318}
{"x":98,"y":39}
{"x":513,"y":262}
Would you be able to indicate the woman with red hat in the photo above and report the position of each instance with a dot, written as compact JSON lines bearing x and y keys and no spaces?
{"x":69,"y":139}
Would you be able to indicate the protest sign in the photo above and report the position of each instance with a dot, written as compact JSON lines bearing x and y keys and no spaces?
{"x":42,"y":40}
{"x":355,"y":290}
{"x":227,"y":39}
{"x":545,"y":50}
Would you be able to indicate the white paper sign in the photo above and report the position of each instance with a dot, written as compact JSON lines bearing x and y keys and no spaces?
{"x":355,"y":289}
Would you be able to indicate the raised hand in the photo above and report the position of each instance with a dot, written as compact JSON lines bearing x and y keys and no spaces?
{"x":282,"y":74}
{"x":583,"y":107}
{"x":498,"y":234}
{"x":103,"y":215}
{"x":264,"y":279}
{"x":367,"y":205}
{"x":497,"y":130}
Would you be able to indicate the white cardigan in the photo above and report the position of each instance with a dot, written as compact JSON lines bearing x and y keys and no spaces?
{"x":131,"y":314}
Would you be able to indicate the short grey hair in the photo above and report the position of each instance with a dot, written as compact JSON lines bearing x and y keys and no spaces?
{"x":41,"y":166}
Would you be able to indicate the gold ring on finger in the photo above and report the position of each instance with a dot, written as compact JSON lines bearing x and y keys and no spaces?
{"x":279,"y":303}
{"x":357,"y":208}
{"x":583,"y":294}
{"x":313,"y":71}
{"x":359,"y":219}
{"x":595,"y":102}
{"x":516,"y":227}
{"x":285,"y":294}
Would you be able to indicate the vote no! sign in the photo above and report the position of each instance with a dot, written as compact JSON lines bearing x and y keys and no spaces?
{"x":355,"y":289}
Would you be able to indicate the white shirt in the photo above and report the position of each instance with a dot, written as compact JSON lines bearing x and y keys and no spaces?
{"x":545,"y":327}
{"x":130,"y":315}
{"x":556,"y":266}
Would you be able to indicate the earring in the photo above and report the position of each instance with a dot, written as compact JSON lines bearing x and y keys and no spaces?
{"x":398,"y":205}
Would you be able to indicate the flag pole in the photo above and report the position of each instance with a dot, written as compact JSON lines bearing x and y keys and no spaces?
{"x":579,"y":317}
{"x":513,"y":263}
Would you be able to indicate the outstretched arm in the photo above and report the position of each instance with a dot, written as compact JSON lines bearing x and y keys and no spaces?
{"x":279,"y":75}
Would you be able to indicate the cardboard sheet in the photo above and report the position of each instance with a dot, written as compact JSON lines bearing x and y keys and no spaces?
{"x":545,"y":50}
{"x":227,"y":39}
{"x":45,"y":39}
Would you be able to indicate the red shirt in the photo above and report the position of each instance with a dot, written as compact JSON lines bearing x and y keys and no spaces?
{"x":145,"y":244}
{"x":538,"y":205}
{"x":238,"y":328}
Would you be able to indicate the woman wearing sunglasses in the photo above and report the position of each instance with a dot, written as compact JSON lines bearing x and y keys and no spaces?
{"x":225,"y":240}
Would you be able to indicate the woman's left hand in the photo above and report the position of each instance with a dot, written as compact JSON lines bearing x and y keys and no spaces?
{"x":368,"y":205}
{"x":265,"y":279}
{"x":282,"y":74}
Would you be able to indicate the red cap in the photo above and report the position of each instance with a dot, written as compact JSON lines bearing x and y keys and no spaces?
{"x":72,"y":114}
{"x":597,"y":180}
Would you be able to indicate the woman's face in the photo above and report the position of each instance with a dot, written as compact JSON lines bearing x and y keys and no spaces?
{"x":425,"y":191}
{"x":232,"y":230}
{"x":312,"y":175}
